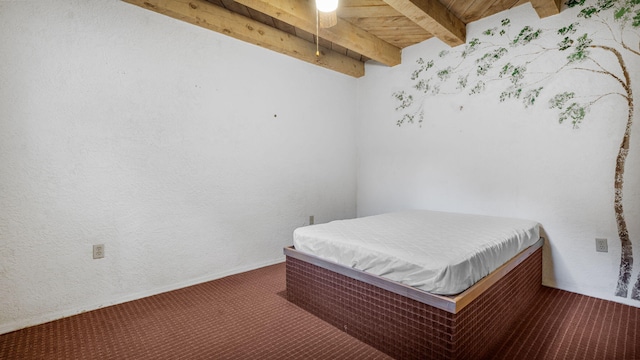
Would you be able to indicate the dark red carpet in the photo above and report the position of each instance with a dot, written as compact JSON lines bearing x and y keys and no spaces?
{"x":564,"y":325}
{"x":245,"y":316}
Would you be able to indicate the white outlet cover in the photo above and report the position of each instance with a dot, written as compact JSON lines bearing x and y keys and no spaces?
{"x":98,"y":251}
{"x":601,"y":245}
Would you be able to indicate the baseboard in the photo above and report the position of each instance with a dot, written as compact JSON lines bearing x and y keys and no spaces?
{"x":598,"y":295}
{"x":42,"y":319}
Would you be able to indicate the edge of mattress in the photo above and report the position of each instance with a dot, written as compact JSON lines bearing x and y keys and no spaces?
{"x":449,"y":303}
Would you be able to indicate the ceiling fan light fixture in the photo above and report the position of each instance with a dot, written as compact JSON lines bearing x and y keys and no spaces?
{"x":327,"y":5}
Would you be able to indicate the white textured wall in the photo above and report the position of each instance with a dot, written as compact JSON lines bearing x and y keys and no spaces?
{"x":189,"y":154}
{"x":474,"y":154}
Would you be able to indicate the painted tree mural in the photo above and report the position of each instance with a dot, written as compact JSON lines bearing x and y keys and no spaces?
{"x":506,"y":57}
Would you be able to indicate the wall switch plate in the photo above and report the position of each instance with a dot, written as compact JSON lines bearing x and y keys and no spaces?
{"x":601,"y":245}
{"x":311,"y":220}
{"x":98,"y":251}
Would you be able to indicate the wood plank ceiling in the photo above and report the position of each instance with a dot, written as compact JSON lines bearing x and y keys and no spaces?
{"x":367,"y":30}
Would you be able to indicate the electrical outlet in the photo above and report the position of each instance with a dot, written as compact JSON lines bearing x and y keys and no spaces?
{"x":311,"y":220}
{"x":98,"y":251}
{"x":601,"y":245}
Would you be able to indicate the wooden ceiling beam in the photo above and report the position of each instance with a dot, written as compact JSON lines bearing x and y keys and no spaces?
{"x":367,"y":11}
{"x":302,"y":14}
{"x":434,"y":17}
{"x":216,"y":18}
{"x":546,"y":8}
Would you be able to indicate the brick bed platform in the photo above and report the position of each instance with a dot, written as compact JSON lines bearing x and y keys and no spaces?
{"x":409,"y":329}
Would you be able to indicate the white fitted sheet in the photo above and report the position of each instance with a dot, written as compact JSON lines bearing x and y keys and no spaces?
{"x":442,"y":253}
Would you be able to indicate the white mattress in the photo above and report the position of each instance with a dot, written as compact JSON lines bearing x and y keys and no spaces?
{"x":442,"y":253}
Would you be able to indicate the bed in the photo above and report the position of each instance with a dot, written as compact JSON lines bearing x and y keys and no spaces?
{"x":409,"y":284}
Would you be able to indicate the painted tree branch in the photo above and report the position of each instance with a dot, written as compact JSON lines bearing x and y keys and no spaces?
{"x":491,"y":63}
{"x":636,"y":52}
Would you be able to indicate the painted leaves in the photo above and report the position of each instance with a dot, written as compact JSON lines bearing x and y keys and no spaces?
{"x":504,"y":58}
{"x":484,"y":60}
